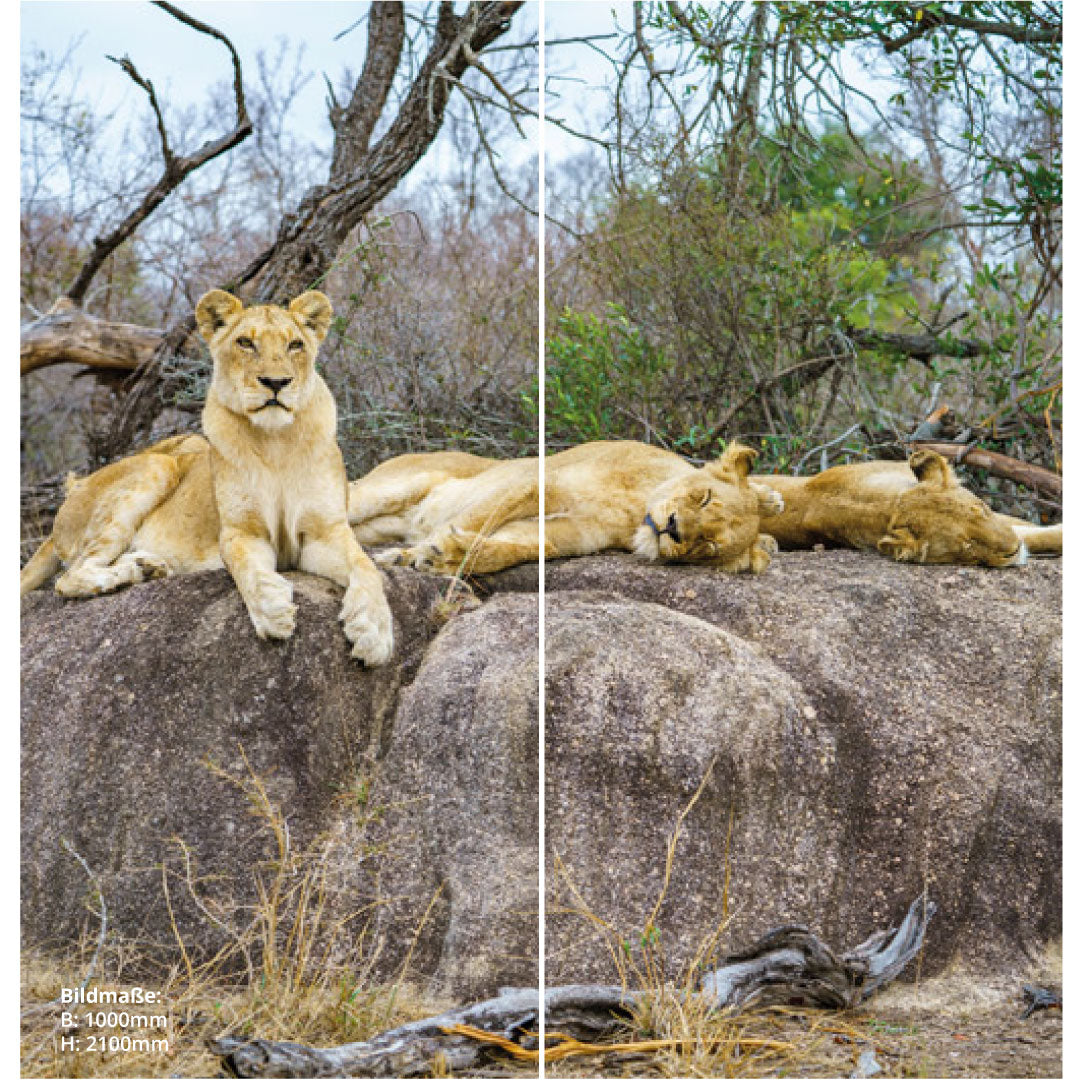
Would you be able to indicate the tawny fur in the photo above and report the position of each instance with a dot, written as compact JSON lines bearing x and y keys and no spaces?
{"x":263,"y":490}
{"x":914,"y":511}
{"x":456,"y":511}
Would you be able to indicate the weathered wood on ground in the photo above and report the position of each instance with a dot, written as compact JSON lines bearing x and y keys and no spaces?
{"x":788,"y":965}
{"x":792,"y":964}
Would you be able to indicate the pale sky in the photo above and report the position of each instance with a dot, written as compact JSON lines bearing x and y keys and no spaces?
{"x":182,"y":63}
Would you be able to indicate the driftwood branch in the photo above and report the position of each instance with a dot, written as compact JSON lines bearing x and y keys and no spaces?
{"x":177,"y":168}
{"x":792,"y":965}
{"x":789,"y":965}
{"x":1022,"y":472}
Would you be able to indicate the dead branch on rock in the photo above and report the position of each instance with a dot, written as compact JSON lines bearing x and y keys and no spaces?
{"x":789,"y":965}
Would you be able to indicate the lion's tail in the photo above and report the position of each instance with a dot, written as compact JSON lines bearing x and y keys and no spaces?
{"x":42,"y":565}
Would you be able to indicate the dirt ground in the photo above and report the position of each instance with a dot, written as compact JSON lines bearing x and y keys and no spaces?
{"x":956,"y":1025}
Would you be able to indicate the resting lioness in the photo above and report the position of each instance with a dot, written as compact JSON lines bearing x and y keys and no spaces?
{"x":460,"y":511}
{"x":913,"y":511}
{"x":265,"y":490}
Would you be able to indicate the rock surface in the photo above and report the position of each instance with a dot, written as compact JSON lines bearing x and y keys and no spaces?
{"x":877,"y":728}
{"x":871,"y":729}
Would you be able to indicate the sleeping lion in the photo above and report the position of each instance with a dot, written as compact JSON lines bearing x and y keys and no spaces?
{"x":456,"y":511}
{"x":913,"y":511}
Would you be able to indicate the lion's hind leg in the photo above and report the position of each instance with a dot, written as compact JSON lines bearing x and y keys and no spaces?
{"x":494,"y":530}
{"x":516,"y":542}
{"x":1041,"y":539}
{"x":455,"y":551}
{"x":96,"y":526}
{"x":93,"y":579}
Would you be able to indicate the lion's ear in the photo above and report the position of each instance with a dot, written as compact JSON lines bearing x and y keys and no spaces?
{"x":214,"y":310}
{"x":735,"y":462}
{"x":314,"y":311}
{"x":931,"y":468}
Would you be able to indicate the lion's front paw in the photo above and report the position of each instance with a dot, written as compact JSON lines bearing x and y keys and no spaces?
{"x":770,"y":501}
{"x":79,"y":583}
{"x":767,"y":543}
{"x":765,"y":547}
{"x":272,"y":611}
{"x":368,"y":625}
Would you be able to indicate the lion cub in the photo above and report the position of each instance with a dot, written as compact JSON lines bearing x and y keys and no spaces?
{"x":264,"y":491}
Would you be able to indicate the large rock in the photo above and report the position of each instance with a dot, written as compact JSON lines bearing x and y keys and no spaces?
{"x":871,"y":729}
{"x":464,"y":768}
{"x":876,"y":729}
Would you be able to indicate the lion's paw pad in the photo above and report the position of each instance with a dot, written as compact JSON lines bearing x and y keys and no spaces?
{"x":151,"y":566}
{"x":389,"y":557}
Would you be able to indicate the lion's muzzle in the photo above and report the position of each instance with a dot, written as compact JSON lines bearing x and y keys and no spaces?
{"x":671,"y":529}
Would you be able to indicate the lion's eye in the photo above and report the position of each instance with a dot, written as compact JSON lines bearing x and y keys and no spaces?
{"x":245,"y":343}
{"x":294,"y":345}
{"x":708,"y":499}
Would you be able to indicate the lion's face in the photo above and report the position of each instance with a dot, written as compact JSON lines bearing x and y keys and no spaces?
{"x":264,"y":356}
{"x":938,"y":521}
{"x":710,"y":516}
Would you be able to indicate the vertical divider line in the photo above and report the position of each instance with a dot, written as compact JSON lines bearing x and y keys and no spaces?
{"x":541,"y":238}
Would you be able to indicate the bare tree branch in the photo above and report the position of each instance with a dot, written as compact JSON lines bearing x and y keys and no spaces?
{"x":354,"y":125}
{"x":176,"y":168}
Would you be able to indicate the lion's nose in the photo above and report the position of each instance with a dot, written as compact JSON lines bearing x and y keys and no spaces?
{"x":276,"y":385}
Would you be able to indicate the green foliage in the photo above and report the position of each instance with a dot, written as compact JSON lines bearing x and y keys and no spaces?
{"x":726,"y":287}
{"x":599,"y":369}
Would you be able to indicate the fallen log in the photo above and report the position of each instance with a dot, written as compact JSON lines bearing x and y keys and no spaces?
{"x":68,"y":335}
{"x":1023,"y":472}
{"x":789,"y":965}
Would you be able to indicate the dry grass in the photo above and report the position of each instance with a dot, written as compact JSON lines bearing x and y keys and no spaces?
{"x":293,"y":968}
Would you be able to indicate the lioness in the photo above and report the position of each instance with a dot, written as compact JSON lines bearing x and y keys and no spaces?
{"x":913,"y":511}
{"x":264,"y":490}
{"x":457,"y":510}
